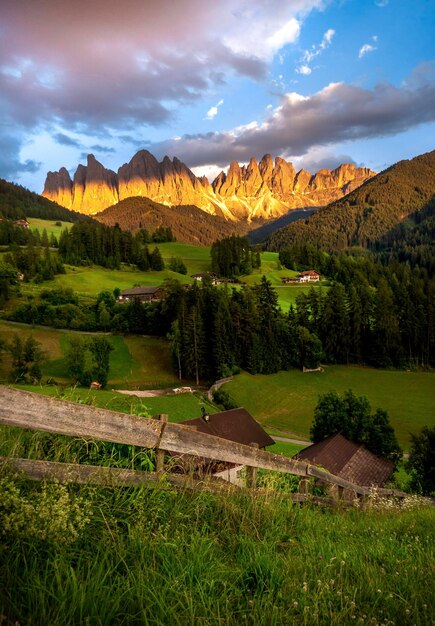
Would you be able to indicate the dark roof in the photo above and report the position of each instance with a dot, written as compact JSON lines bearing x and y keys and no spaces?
{"x":349,"y":460}
{"x":140,"y":291}
{"x":235,"y":425}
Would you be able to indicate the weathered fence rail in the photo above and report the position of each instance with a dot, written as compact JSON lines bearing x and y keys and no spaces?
{"x":30,"y":410}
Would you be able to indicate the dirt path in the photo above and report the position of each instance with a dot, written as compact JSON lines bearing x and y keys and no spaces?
{"x":149,"y":393}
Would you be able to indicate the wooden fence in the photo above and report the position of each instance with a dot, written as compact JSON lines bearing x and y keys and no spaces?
{"x":30,"y":410}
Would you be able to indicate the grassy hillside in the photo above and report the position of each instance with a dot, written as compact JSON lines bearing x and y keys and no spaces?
{"x":17,"y":202}
{"x":84,"y":555}
{"x":286,"y":400}
{"x":135,"y":361}
{"x":49,"y":225}
{"x":89,"y":281}
{"x":368,"y":213}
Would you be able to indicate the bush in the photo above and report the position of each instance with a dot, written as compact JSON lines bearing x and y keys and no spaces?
{"x":223,"y":399}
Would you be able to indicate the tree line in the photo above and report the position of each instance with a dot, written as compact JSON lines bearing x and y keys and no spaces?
{"x":109,"y":246}
{"x":233,"y":256}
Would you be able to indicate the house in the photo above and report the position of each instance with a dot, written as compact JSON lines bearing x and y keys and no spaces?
{"x":234,"y":425}
{"x":23,"y":223}
{"x":349,"y":460}
{"x":144,"y":294}
{"x":200,"y":277}
{"x":289,"y":280}
{"x":310,"y":276}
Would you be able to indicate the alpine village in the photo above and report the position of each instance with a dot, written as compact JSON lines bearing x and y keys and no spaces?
{"x":217,"y":389}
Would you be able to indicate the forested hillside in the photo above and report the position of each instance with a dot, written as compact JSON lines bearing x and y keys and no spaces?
{"x":17,"y":202}
{"x":188,"y":223}
{"x":368,"y":213}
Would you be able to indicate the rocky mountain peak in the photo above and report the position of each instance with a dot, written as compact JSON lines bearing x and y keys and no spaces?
{"x":259,"y":189}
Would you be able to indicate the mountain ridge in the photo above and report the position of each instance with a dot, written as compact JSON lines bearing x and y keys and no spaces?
{"x":369,"y":212}
{"x":258,"y":190}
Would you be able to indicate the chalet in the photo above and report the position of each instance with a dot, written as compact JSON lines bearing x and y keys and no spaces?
{"x":349,"y":460}
{"x":144,"y":294}
{"x":234,"y":425}
{"x":310,"y":276}
{"x":200,"y":277}
{"x":289,"y":280}
{"x":22,"y":223}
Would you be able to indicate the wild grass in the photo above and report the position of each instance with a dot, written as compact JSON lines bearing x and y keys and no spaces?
{"x":285,"y":401}
{"x":50,"y":226}
{"x":161,"y":556}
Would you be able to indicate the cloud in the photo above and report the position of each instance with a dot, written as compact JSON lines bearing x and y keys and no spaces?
{"x":213,"y":111}
{"x":367,"y":47}
{"x":11,"y":165}
{"x":137,"y":61}
{"x":304,"y":69}
{"x":336,"y":113}
{"x":314,"y":52}
{"x":319,"y":158}
{"x":381,"y":3}
{"x":65,"y":140}
{"x":98,"y":148}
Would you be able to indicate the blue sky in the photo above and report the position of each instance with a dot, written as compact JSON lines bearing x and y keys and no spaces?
{"x":318,"y":82}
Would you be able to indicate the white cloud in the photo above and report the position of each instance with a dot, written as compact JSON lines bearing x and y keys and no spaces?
{"x":314,"y":52}
{"x":382,"y":3}
{"x":335,"y":114}
{"x":304,"y":69}
{"x":213,"y":111}
{"x":368,"y":47}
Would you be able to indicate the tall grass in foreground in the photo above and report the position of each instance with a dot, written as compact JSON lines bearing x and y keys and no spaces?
{"x":96,"y":556}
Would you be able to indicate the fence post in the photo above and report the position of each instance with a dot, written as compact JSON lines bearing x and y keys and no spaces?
{"x":251,"y":472}
{"x":160,"y":454}
{"x":304,"y":485}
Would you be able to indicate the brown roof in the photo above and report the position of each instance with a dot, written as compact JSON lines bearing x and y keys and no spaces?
{"x":140,"y":291}
{"x":309,"y":273}
{"x":349,"y":460}
{"x":235,"y":425}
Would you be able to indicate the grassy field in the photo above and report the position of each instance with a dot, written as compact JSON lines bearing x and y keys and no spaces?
{"x":87,"y":282}
{"x":135,"y":361}
{"x":178,"y":407}
{"x":49,"y":225}
{"x":286,"y":401}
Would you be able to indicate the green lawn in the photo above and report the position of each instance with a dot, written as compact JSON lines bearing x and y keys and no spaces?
{"x":134,"y":362}
{"x":196,"y":258}
{"x":286,"y":401}
{"x":49,"y":225}
{"x":178,"y":407}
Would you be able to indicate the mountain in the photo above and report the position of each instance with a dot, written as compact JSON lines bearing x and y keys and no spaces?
{"x":17,"y":202}
{"x":369,"y":213}
{"x":261,"y":190}
{"x":188,"y":223}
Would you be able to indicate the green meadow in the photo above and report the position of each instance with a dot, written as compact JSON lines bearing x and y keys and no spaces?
{"x":178,"y":407}
{"x":135,"y":361}
{"x":50,"y":226}
{"x":286,"y":401}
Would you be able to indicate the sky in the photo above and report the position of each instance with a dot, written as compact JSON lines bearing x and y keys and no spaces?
{"x":318,"y":82}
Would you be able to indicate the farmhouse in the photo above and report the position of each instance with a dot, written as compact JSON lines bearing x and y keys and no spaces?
{"x":349,"y":460}
{"x":234,"y":425}
{"x":310,"y":276}
{"x":23,"y":223}
{"x":144,"y":294}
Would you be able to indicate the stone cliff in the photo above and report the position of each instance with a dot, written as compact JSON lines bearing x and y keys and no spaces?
{"x":266,"y":189}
